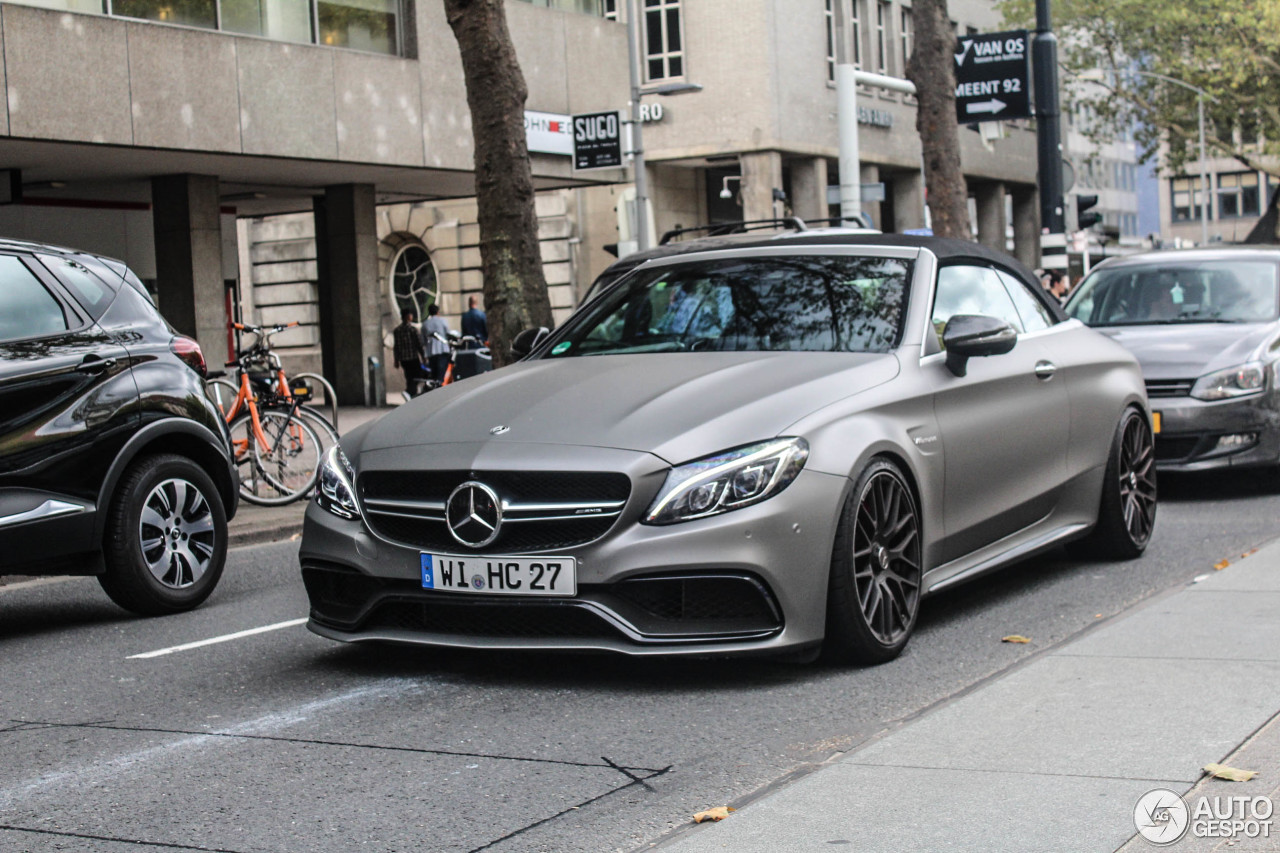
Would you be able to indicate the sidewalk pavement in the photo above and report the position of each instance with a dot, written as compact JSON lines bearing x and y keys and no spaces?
{"x":1054,"y":754}
{"x":257,"y":524}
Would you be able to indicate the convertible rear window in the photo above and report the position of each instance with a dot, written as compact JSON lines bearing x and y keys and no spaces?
{"x":1225,"y":291}
{"x":802,"y":303}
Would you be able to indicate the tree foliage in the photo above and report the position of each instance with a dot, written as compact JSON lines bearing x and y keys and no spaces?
{"x":515,"y":289}
{"x":1228,"y":48}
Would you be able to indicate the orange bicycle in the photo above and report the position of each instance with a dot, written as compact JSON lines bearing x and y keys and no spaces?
{"x":276,"y":442}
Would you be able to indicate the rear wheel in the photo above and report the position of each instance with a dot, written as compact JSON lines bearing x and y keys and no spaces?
{"x":166,"y":538}
{"x":286,"y":468}
{"x":1127,"y":508}
{"x":873,"y":596}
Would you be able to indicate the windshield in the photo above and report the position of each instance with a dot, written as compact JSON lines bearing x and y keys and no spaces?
{"x":1224,"y":291}
{"x":814,"y":303}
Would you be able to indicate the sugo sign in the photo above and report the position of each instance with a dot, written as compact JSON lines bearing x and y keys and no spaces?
{"x":597,"y":141}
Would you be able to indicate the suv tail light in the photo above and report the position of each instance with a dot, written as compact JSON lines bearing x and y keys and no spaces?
{"x":189,"y":351}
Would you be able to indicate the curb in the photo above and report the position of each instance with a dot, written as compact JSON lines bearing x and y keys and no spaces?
{"x":262,"y":534}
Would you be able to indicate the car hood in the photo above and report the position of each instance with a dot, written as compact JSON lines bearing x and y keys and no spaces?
{"x":1190,"y":350}
{"x":678,"y":406}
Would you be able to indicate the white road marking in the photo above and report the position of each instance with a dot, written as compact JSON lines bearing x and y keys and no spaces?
{"x":225,"y":638}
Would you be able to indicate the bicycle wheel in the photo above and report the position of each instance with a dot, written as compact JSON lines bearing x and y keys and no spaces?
{"x":223,"y":392}
{"x":287,"y":468}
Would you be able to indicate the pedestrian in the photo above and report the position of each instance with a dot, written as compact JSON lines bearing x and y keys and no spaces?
{"x":409,"y":352}
{"x":1056,"y":283}
{"x":437,"y":349}
{"x":474,"y":323}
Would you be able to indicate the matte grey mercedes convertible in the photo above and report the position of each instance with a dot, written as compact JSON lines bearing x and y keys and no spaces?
{"x":764,"y":448}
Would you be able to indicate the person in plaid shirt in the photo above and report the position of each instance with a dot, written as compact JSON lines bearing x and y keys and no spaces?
{"x":409,"y":352}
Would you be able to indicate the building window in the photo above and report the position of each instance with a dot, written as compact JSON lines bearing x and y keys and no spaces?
{"x":854,"y":34}
{"x":600,"y":8}
{"x":284,"y":20}
{"x":830,"y":15}
{"x":359,"y":24}
{"x":664,"y":42}
{"x":413,"y":280}
{"x":855,"y":31}
{"x":190,"y":13}
{"x":1187,"y":199}
{"x":609,"y":9}
{"x":908,"y":37}
{"x":882,"y":37}
{"x":1238,"y":194}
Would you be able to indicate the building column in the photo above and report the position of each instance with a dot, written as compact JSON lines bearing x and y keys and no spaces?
{"x":347,"y":267}
{"x":870,"y":174}
{"x":908,"y":200}
{"x":809,"y":188}
{"x":761,"y":175}
{"x":991,"y":219}
{"x":1026,"y":226}
{"x":185,"y":217}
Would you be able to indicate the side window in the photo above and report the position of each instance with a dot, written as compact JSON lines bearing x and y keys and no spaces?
{"x":27,"y":309}
{"x":89,"y":290}
{"x":971,"y":290}
{"x":1035,"y":316}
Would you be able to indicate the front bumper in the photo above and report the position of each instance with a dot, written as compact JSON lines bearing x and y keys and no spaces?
{"x":749,"y":581}
{"x":1192,"y":432}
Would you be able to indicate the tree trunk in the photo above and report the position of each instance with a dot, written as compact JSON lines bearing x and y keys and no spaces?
{"x":932,"y":69}
{"x":515,"y":291}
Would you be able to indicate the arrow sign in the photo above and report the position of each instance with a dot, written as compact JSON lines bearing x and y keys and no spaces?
{"x":992,"y":106}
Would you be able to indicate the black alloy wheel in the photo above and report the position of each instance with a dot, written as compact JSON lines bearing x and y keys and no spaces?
{"x":1127,"y":508}
{"x":876,"y":570}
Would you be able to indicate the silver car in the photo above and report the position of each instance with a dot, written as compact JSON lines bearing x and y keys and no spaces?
{"x":1204,"y":326}
{"x":764,"y":449}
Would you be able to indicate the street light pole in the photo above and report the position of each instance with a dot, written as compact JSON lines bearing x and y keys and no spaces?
{"x":641,"y":223}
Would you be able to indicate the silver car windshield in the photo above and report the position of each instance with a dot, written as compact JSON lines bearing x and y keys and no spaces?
{"x":801,"y":303}
{"x":1220,"y":291}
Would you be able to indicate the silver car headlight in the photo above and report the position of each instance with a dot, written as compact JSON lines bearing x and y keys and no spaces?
{"x":727,"y":481}
{"x":1239,"y":381}
{"x":334,"y":490}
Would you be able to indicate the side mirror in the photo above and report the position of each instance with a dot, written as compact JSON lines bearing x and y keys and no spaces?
{"x":527,"y":341}
{"x":969,"y":336}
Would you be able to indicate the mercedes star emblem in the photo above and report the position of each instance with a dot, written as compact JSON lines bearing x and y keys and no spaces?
{"x":473,"y":514}
{"x":499,"y":430}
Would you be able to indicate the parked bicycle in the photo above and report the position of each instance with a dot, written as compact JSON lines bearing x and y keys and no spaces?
{"x":277,"y":441}
{"x":465,"y":343}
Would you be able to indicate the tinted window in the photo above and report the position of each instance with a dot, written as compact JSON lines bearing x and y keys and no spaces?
{"x":27,"y":309}
{"x":971,"y":290}
{"x":1228,"y":291}
{"x":89,"y":290}
{"x":812,"y":303}
{"x":1032,"y":311}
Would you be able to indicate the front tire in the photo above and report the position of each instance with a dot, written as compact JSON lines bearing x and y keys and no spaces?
{"x":166,"y":537}
{"x":873,"y":595}
{"x":1127,"y":507}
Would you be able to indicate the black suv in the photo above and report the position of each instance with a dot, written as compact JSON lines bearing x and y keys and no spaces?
{"x":113,"y":460}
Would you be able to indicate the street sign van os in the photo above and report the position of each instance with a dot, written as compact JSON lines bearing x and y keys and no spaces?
{"x":993,"y":78}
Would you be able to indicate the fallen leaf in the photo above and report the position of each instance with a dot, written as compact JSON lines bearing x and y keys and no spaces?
{"x":1097,"y":616}
{"x":1231,"y":774}
{"x":1015,"y":638}
{"x":1247,"y":553}
{"x":718,"y":813}
{"x":1221,"y":564}
{"x":295,"y":537}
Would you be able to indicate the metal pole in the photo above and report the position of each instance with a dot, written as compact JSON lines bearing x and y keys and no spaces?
{"x":641,"y":223}
{"x":1204,"y":177}
{"x":1044,"y":58}
{"x":847,"y":121}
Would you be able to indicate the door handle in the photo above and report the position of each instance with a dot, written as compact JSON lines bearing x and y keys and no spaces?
{"x":1045,"y":369}
{"x":95,"y":364}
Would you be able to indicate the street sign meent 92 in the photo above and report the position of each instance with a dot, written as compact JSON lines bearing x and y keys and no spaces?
{"x":597,"y":141}
{"x":993,"y":77}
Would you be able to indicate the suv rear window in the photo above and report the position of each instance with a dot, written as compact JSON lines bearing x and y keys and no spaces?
{"x":835,"y":303}
{"x":27,"y":309}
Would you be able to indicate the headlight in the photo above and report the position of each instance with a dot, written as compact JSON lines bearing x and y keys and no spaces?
{"x":727,"y":481}
{"x":1239,"y":381}
{"x":335,"y":491}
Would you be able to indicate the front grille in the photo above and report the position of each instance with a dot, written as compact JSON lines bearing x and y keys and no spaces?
{"x":690,"y":599}
{"x":475,"y":619}
{"x":1169,"y":387}
{"x":547,"y":528}
{"x":514,"y":538}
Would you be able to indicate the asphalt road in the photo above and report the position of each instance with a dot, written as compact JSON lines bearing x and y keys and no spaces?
{"x":282,"y":741}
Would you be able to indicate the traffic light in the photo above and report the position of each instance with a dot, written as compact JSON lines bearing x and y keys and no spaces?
{"x":1086,"y":218}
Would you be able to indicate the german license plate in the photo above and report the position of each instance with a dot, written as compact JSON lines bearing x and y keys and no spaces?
{"x":1155,"y":422}
{"x":500,"y":575}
